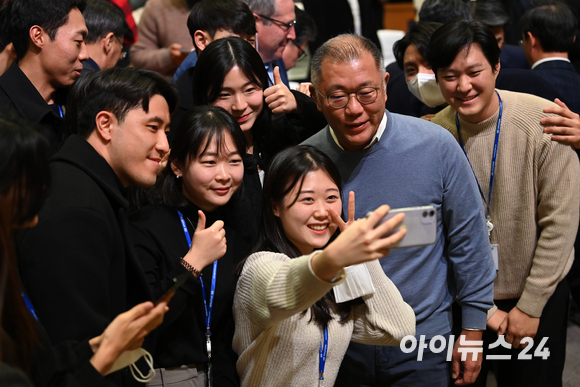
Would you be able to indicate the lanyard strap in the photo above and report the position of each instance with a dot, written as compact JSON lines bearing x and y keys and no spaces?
{"x":208,"y":311}
{"x":29,"y":305}
{"x":322,"y":356}
{"x":493,"y":159}
{"x":60,"y":111}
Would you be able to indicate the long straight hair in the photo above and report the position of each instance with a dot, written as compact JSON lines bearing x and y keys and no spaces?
{"x":288,"y":170}
{"x":24,"y":186}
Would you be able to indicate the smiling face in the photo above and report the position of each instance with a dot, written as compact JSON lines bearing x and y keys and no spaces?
{"x":139,"y":142}
{"x":241,"y":98}
{"x":355,"y":124}
{"x":61,"y":58}
{"x":272,"y":39}
{"x":468,"y":85}
{"x":307,"y":222}
{"x":211,"y":178}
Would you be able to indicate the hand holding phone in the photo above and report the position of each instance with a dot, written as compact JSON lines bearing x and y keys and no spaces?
{"x":420,"y":223}
{"x":175,"y":284}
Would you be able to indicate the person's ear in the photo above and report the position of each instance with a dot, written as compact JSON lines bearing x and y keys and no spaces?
{"x":259,"y":22}
{"x":176,"y":168}
{"x":315,"y":95}
{"x":37,"y":36}
{"x":387,"y":76}
{"x":497,"y":68}
{"x":106,"y":123}
{"x":275,"y":209}
{"x":107,"y":42}
{"x":201,"y":39}
{"x":533,"y":40}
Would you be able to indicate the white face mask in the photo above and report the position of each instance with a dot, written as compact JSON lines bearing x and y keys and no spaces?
{"x":426,"y":89}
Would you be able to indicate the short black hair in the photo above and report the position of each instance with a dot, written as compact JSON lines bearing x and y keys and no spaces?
{"x":419,"y":35}
{"x":491,"y":13}
{"x":456,"y":35}
{"x":212,"y":15}
{"x":443,"y":11}
{"x":305,"y":27}
{"x":48,"y":14}
{"x":116,"y":90}
{"x":553,"y":24}
{"x":102,"y":17}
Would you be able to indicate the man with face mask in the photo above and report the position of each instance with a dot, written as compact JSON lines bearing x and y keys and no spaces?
{"x":410,"y":53}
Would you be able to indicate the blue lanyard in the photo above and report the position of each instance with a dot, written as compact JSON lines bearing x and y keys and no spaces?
{"x":322,"y":357}
{"x":60,"y":111}
{"x":208,"y":311}
{"x":29,"y":305}
{"x":492,"y":175}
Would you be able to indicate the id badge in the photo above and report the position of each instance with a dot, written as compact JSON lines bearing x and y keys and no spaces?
{"x":495,"y":256}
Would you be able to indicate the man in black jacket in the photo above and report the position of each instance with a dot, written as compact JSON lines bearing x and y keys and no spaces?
{"x":78,"y":264}
{"x":49,"y":41}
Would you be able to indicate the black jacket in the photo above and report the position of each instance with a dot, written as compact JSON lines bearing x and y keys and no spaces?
{"x":18,"y":95}
{"x":78,"y":264}
{"x":160,"y":242}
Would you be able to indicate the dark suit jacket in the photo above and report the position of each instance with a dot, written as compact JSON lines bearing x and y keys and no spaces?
{"x":78,"y":264}
{"x":564,"y":78}
{"x":334,"y":17}
{"x":513,"y":57}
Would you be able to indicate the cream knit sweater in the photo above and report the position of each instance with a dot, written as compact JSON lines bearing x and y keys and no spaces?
{"x":535,"y":198}
{"x":278,"y":346}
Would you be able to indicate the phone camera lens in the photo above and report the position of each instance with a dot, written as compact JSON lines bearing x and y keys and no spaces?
{"x":424,"y":214}
{"x":431,"y":213}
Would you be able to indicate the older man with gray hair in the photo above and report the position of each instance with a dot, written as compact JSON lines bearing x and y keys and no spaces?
{"x":405,"y":162}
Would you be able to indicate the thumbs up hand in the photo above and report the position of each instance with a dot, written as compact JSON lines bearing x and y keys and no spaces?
{"x":278,"y":97}
{"x":207,"y":245}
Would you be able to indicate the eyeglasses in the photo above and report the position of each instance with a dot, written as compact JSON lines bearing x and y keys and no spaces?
{"x":303,"y":53}
{"x":281,"y":24}
{"x":339,"y":99}
{"x":123,"y":54}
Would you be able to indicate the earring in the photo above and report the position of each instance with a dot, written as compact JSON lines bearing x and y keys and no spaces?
{"x":178,"y":176}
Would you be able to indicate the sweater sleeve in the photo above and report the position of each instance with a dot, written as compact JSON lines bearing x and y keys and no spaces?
{"x":558,"y":208}
{"x":468,"y":248}
{"x":148,"y":52}
{"x":273,"y":287}
{"x":384,"y":318}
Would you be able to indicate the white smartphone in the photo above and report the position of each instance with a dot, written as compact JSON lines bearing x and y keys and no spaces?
{"x":421,"y":225}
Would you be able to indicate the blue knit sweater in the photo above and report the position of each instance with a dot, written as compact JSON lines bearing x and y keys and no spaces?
{"x":418,"y":163}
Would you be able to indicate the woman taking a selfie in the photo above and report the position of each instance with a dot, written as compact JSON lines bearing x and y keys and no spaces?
{"x":289,"y":329}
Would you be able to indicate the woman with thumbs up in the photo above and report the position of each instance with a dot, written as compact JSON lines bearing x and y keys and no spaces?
{"x":183,"y":232}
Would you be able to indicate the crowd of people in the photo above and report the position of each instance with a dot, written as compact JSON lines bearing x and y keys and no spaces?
{"x":191,"y":220}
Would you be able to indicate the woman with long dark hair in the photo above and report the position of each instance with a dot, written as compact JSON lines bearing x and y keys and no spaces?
{"x":183,"y":231}
{"x":24,"y":345}
{"x":230,"y":73}
{"x":289,"y":329}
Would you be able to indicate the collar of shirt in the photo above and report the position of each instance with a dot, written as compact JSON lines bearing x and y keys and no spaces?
{"x":548,"y":60}
{"x":375,"y":139}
